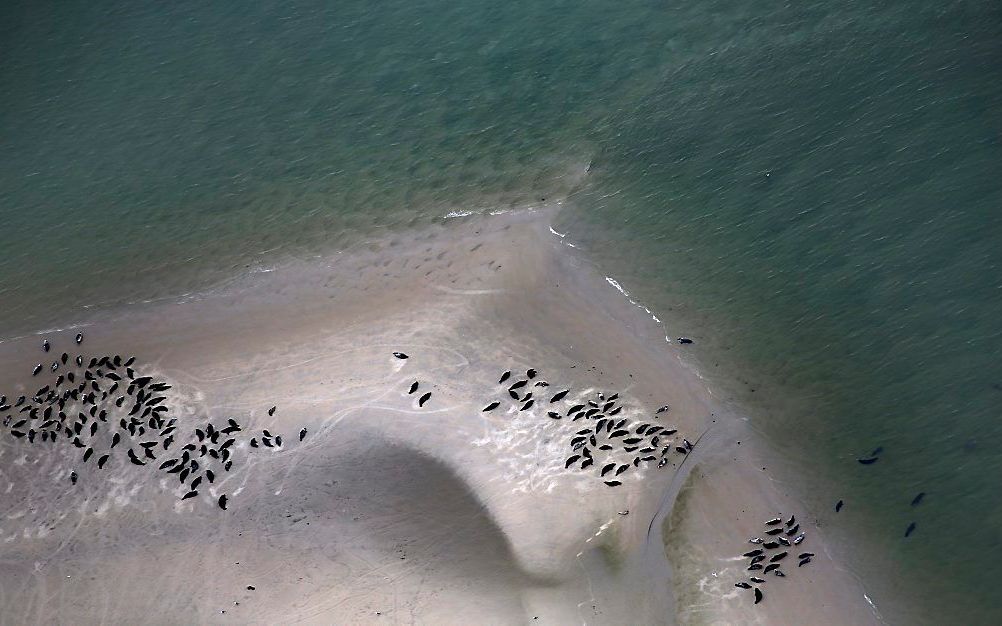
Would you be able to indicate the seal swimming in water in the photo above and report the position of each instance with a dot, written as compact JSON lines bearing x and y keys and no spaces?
{"x":491,"y":406}
{"x":918,"y":498}
{"x":684,"y":340}
{"x":838,"y":506}
{"x":869,"y":461}
{"x":424,"y":399}
{"x":910,"y":529}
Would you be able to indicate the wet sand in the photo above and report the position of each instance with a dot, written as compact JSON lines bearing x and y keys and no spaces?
{"x":389,"y":511}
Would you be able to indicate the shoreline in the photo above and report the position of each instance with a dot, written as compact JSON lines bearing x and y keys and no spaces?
{"x":466,"y":300}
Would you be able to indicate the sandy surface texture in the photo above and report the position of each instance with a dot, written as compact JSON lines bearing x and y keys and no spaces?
{"x":392,"y":509}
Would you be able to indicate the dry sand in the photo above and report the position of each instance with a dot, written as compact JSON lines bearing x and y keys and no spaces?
{"x":389,"y":512}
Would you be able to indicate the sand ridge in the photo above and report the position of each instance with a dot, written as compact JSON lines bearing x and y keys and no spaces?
{"x":439,"y":513}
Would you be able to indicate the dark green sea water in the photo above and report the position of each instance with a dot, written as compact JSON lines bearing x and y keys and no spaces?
{"x":811,"y":190}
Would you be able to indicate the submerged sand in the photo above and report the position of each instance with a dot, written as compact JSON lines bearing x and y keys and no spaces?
{"x":391,"y":512}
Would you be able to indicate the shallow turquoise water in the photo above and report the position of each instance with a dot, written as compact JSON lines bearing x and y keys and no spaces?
{"x":812,"y":190}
